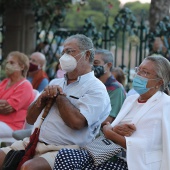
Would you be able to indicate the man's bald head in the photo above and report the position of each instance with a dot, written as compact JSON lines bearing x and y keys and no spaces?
{"x":38,"y":59}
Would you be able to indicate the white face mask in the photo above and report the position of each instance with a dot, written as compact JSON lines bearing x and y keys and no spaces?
{"x":68,"y":63}
{"x":10,"y":69}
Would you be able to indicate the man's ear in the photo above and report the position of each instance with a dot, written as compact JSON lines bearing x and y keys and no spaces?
{"x":87,"y":55}
{"x":40,"y":66}
{"x":109,"y":65}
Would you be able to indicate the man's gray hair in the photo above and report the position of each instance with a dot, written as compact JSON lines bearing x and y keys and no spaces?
{"x":162,"y":69}
{"x":106,"y":55}
{"x":84,"y":44}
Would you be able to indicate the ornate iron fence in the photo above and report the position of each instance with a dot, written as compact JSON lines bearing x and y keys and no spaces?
{"x":129,"y":40}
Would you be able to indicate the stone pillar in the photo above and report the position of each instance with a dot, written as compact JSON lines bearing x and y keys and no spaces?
{"x":20,"y":29}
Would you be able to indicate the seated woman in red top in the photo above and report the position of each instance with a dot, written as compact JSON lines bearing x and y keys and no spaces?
{"x":16,"y":94}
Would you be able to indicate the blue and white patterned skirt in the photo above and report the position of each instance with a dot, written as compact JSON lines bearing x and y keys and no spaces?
{"x":72,"y":159}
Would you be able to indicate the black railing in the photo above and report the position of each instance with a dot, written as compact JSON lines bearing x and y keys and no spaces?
{"x":129,"y":40}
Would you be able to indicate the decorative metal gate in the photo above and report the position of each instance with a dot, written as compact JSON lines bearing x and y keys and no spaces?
{"x":129,"y":40}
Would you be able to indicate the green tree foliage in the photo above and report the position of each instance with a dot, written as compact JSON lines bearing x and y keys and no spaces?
{"x":94,"y":9}
{"x":137,"y":8}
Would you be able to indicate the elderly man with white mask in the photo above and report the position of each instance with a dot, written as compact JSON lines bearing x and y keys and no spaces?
{"x":81,"y":104}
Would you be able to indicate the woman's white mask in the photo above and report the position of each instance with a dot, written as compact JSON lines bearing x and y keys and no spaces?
{"x":68,"y":63}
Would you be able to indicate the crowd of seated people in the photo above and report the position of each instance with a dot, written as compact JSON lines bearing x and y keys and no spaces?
{"x":75,"y":118}
{"x":89,"y":97}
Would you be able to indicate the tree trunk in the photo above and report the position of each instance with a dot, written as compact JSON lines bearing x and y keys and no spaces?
{"x":158,"y":10}
{"x":20,"y":33}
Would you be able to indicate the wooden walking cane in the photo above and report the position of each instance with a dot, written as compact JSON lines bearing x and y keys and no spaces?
{"x":30,"y":149}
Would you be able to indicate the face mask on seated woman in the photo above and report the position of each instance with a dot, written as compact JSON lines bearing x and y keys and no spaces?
{"x":139,"y":84}
{"x":11,"y":68}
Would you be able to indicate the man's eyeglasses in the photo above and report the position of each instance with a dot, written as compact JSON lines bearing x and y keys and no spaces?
{"x":68,"y":51}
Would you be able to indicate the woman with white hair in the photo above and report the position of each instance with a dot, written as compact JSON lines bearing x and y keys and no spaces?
{"x":142,"y":126}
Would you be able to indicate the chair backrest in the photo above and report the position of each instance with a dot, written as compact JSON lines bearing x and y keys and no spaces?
{"x":26,"y":125}
{"x":36,"y":92}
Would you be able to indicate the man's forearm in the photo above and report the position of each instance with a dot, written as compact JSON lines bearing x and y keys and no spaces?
{"x":70,"y":114}
{"x":34,"y":111}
